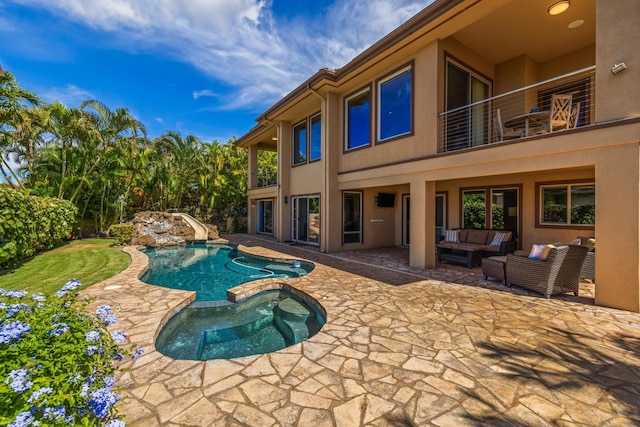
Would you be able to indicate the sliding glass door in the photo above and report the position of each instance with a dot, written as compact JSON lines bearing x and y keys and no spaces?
{"x":494,"y":208}
{"x":466,"y":126}
{"x":306,"y":219}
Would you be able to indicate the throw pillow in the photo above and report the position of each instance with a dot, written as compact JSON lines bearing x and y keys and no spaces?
{"x":577,"y":241}
{"x":540,"y":252}
{"x":451,"y":236}
{"x":500,"y":237}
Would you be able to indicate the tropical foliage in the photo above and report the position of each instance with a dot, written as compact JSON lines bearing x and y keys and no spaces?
{"x":92,"y":155}
{"x":29,"y":224}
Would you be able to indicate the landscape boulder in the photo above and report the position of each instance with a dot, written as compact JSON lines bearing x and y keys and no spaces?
{"x":163,"y":229}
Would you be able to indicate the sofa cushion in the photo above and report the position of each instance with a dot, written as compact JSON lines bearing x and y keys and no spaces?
{"x":477,"y":236}
{"x":463,"y":234}
{"x":500,"y":236}
{"x":540,"y":252}
{"x":589,"y":242}
{"x":452,"y":236}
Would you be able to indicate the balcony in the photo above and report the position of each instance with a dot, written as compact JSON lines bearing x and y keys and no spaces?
{"x":518,"y":114}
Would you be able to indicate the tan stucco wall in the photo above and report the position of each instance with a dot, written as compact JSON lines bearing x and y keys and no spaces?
{"x":618,"y":232}
{"x":618,"y":36}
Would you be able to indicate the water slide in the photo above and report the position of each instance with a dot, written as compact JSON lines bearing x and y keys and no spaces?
{"x":202,"y":233}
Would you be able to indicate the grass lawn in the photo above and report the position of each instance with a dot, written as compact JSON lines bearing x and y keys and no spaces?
{"x":88,"y":260}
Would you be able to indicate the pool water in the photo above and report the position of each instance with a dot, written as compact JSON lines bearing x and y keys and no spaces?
{"x":267,"y":322}
{"x":210,"y":270}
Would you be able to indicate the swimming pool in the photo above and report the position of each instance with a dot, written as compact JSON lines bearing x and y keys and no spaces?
{"x":210,"y":270}
{"x":212,"y":327}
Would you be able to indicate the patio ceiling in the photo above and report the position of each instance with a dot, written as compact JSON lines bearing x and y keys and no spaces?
{"x":526,"y":27}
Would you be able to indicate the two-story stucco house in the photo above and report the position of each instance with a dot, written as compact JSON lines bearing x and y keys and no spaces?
{"x":449,"y":121}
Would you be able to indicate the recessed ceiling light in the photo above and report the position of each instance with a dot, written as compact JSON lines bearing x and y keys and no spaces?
{"x":576,"y":23}
{"x":558,"y":7}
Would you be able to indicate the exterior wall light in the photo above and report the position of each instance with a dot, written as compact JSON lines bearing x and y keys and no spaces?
{"x":618,"y":68}
{"x":558,"y":7}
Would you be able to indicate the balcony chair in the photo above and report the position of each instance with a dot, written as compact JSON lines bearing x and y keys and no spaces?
{"x":557,"y":274}
{"x":559,"y":115}
{"x":573,"y":117}
{"x":503,"y":134}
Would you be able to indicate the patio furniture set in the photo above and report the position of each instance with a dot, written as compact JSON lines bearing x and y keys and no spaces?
{"x":563,"y":115}
{"x":548,"y":269}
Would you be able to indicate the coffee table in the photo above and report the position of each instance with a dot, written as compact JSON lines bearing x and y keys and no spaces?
{"x":470,"y":255}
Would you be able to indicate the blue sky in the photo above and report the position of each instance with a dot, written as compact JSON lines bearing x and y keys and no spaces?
{"x":200,"y":67}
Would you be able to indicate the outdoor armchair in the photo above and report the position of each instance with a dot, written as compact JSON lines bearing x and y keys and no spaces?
{"x":557,"y":274}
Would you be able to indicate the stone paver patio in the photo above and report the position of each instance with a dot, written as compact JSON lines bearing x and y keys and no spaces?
{"x":401,"y":347}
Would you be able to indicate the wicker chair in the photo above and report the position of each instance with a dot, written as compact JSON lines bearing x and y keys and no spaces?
{"x":557,"y":274}
{"x":589,"y":267}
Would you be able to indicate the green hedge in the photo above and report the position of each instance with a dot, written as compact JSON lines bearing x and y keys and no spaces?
{"x":122,"y":233}
{"x":29,"y":224}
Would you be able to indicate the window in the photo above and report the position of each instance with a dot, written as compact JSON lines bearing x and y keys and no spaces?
{"x":307,"y":140}
{"x":315,"y":140}
{"x":568,"y":204}
{"x":358,"y":120}
{"x":300,"y":143}
{"x":351,"y":217}
{"x":265,"y":216}
{"x":395,"y":105}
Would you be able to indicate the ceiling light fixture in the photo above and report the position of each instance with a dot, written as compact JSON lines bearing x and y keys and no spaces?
{"x":558,"y":7}
{"x":576,"y":23}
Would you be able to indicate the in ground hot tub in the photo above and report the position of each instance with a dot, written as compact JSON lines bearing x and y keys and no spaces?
{"x":263,"y":323}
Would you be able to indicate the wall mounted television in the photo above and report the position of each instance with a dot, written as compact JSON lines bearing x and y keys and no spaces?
{"x":385,"y":200}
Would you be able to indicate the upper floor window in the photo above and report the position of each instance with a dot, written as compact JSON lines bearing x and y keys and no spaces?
{"x":395,"y":101}
{"x":300,"y":143}
{"x":315,"y":140}
{"x":307,"y":140}
{"x":358,"y":119}
{"x":568,"y":204}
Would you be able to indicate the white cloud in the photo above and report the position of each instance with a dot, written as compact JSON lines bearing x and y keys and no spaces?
{"x":240,"y":42}
{"x":206,"y":92}
{"x":70,"y":95}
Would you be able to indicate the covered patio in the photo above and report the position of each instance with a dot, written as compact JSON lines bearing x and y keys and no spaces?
{"x":401,"y":346}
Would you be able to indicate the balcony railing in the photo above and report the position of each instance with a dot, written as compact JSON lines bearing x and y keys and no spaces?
{"x":511,"y":115}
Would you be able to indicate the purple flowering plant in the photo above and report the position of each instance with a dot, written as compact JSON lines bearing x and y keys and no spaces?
{"x":58,"y":363}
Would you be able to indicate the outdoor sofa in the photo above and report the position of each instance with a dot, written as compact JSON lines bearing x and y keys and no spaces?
{"x":469,"y":246}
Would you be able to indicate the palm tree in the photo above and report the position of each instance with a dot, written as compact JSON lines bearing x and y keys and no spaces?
{"x":179,"y":155}
{"x":12,"y":104}
{"x":106,"y":131}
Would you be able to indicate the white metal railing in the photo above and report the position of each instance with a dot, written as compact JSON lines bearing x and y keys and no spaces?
{"x":478,"y":123}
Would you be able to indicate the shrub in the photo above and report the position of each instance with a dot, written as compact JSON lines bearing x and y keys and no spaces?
{"x":57,"y":362}
{"x":122,"y":233}
{"x":29,"y":224}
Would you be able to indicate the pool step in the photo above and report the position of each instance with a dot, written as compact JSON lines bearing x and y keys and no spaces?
{"x":290,"y":319}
